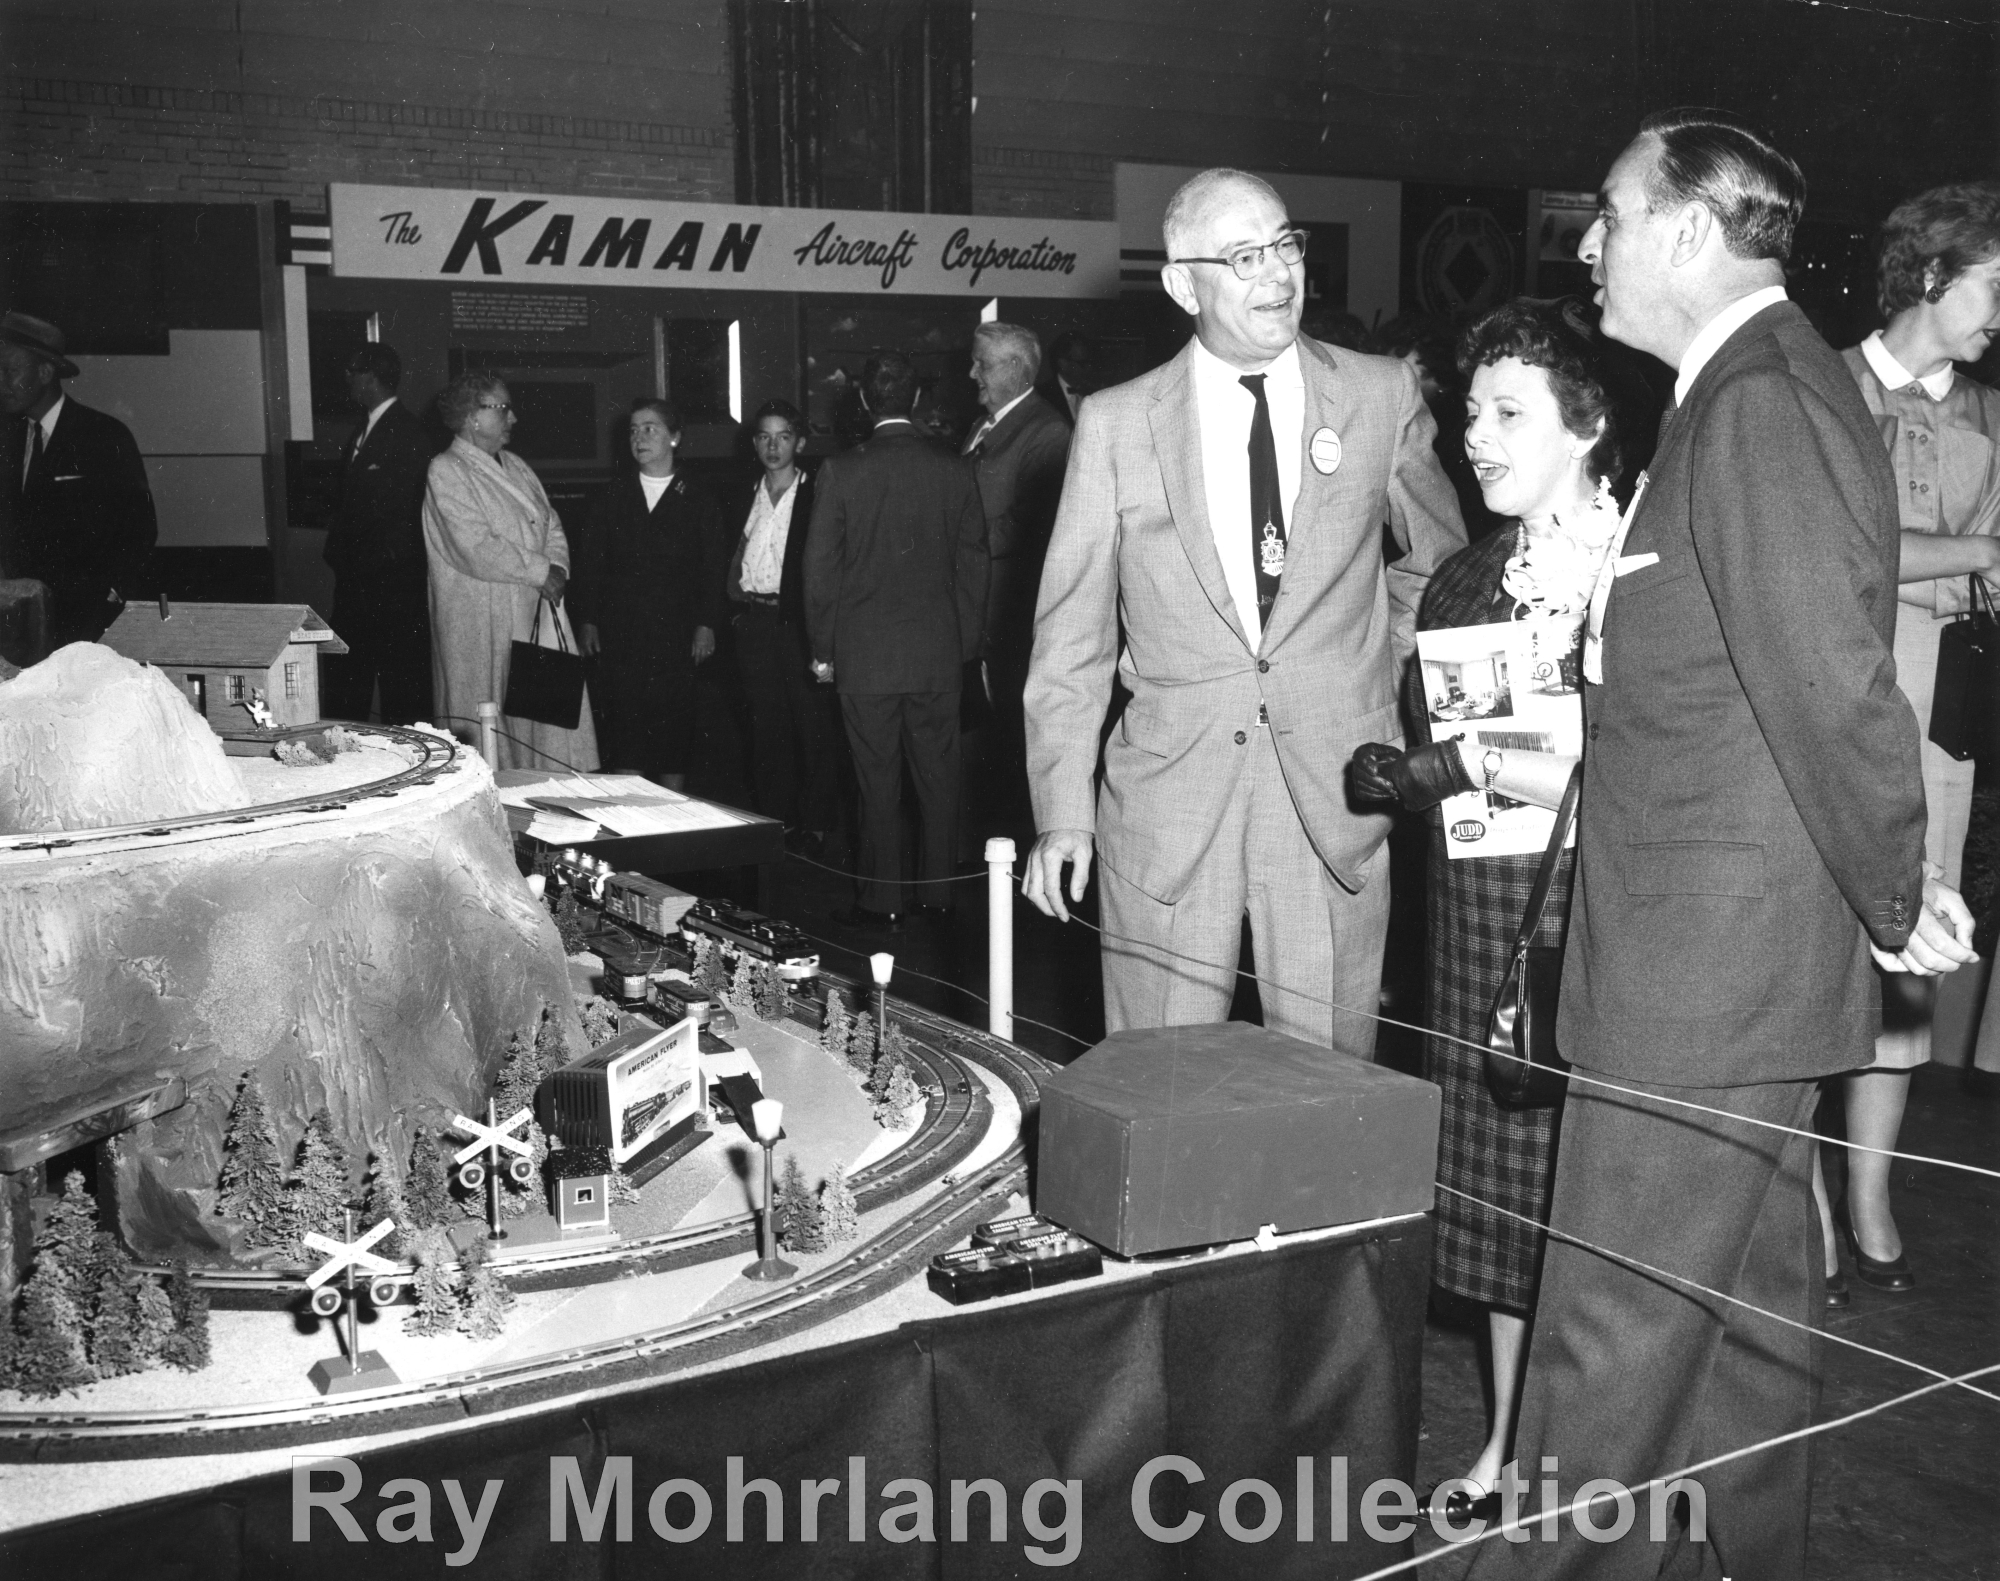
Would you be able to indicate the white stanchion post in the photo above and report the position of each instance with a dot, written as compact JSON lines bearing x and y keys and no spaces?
{"x":489,"y":738}
{"x":1000,"y":937}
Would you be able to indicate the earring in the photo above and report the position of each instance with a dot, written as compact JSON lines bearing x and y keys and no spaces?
{"x":1934,"y":294}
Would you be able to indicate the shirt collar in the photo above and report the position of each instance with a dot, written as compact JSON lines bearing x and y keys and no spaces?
{"x":993,"y":422}
{"x":1897,"y":377}
{"x":1212,"y":371}
{"x":48,"y":419}
{"x":1718,"y":329}
{"x":882,"y":423}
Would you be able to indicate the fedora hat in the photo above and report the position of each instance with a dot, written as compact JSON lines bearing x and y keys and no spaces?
{"x":39,"y":336}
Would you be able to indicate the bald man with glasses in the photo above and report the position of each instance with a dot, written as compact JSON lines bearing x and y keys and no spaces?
{"x":1219,"y":548}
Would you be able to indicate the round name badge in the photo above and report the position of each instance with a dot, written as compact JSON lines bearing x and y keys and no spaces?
{"x":1325,"y":451}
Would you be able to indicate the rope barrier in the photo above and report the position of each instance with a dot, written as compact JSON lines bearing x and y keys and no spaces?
{"x":1572,"y":1074}
{"x":460,"y":719}
{"x":1693,"y":1284}
{"x":960,"y":878}
{"x":1662,"y":1481}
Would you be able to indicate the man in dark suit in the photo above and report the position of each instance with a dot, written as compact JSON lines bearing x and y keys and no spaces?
{"x":794,"y":734}
{"x":381,"y":599}
{"x":76,"y":510}
{"x":1019,"y":451}
{"x":1752,"y":837}
{"x":896,"y":572}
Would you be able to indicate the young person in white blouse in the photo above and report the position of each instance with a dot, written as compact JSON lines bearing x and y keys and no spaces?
{"x":794,"y":731}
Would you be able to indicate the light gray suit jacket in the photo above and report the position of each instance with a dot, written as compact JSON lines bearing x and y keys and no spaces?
{"x":1133,"y":558}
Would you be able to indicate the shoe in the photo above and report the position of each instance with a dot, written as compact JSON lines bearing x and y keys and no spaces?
{"x":862,"y":917}
{"x":1893,"y":1275}
{"x":1461,"y":1507}
{"x":1837,"y":1293}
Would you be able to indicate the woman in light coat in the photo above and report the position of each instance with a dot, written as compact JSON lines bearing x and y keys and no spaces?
{"x":497,"y":553}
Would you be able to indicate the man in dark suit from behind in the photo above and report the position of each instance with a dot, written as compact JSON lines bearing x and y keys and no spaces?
{"x":794,"y":730}
{"x":1751,"y":846}
{"x":1019,"y":451}
{"x":76,"y":510}
{"x":381,"y":598}
{"x":896,"y":574}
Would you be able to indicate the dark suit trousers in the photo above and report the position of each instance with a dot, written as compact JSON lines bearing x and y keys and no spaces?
{"x":1630,"y":1376}
{"x":386,"y":624}
{"x":887,"y":731}
{"x":794,"y":732}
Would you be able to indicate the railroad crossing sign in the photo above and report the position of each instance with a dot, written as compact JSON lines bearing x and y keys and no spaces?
{"x":491,"y":1136}
{"x":343,"y":1254}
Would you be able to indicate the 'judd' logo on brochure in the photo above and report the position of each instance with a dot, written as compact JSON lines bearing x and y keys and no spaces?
{"x":430,"y":233}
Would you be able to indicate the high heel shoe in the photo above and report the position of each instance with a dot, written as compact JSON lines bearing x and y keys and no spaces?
{"x":1893,"y":1275}
{"x":1837,"y":1293}
{"x":1461,"y":1507}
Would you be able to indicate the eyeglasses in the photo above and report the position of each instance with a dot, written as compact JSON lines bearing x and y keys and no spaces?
{"x":1248,"y":262}
{"x":495,"y":406}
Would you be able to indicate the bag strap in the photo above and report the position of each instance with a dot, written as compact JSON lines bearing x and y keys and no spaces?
{"x":535,"y":630}
{"x":1545,"y":875}
{"x":555,"y":620}
{"x":1978,"y":600}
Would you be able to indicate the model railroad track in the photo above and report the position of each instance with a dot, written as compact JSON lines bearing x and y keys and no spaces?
{"x":955,"y":1119}
{"x":437,"y":755}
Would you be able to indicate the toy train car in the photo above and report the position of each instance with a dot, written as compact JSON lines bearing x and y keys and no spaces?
{"x":646,"y":903}
{"x":777,"y":942}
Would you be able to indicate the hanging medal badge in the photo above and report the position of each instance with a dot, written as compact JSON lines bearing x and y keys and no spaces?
{"x":1271,"y":553}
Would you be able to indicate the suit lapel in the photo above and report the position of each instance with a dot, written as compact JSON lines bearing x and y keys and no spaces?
{"x":1177,"y":442}
{"x":1325,"y":407}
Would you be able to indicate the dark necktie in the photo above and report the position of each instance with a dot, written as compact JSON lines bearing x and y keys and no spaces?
{"x":1267,"y":511}
{"x":34,"y":452}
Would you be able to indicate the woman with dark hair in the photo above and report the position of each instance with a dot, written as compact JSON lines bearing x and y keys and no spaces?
{"x":497,"y":556}
{"x":1938,"y":286}
{"x":649,"y":596}
{"x":1543,"y":440}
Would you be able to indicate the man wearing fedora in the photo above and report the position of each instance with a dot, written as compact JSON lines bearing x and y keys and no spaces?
{"x":76,"y":511}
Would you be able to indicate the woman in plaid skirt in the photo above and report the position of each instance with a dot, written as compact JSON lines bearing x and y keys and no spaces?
{"x":1543,"y":442}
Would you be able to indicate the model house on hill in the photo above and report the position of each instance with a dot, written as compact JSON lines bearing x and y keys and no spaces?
{"x":227,"y":657}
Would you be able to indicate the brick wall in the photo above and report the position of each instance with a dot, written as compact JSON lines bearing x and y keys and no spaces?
{"x":68,"y":139}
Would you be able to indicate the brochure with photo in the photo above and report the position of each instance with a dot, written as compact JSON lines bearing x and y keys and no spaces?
{"x":1516,"y":685}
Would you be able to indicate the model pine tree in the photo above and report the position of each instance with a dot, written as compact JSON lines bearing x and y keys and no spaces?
{"x":791,"y":1204}
{"x":382,"y":1198}
{"x":520,"y":1074}
{"x":518,"y":1199}
{"x":319,"y":1187}
{"x":187,"y":1347}
{"x":570,"y":925}
{"x":485,"y":1297}
{"x":711,"y":972}
{"x":66,"y":1252}
{"x":895,"y":1092}
{"x":114,"y":1343}
{"x":861,"y":1047}
{"x":253,"y":1174}
{"x":49,"y":1356}
{"x":742,"y":988}
{"x":600,"y":1021}
{"x":771,"y":996}
{"x":834,"y":1025}
{"x":552,"y":1050}
{"x":154,"y":1321}
{"x":436,"y":1284}
{"x":839,"y":1212}
{"x":427,"y":1187}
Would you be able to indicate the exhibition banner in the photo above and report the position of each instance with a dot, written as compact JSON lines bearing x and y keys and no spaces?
{"x":474,"y":237}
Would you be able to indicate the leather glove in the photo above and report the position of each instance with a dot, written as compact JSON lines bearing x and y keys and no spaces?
{"x":1419,"y":779}
{"x":1368,"y":771}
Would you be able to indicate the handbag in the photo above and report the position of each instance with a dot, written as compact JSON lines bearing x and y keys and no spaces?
{"x":544,"y":684}
{"x":1524,"y":1070}
{"x":1965,"y":705}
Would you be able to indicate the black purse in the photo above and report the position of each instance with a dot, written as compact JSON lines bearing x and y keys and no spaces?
{"x":1965,"y":706}
{"x":544,"y":684}
{"x":1523,"y":1067}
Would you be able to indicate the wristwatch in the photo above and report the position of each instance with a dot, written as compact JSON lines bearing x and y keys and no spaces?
{"x":1490,"y":762}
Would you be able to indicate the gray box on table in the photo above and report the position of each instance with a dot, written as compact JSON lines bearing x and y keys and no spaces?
{"x":1184,"y":1136}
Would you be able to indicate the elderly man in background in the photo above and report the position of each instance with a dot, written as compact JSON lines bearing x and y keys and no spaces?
{"x":1219,"y":548}
{"x":1019,"y":450}
{"x":76,"y":509}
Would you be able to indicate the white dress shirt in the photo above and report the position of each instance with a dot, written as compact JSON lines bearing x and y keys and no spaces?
{"x":653,"y":487}
{"x":989,"y":424}
{"x":47,"y":423}
{"x":764,"y":539}
{"x":1225,"y":409}
{"x":1897,"y":377}
{"x":374,"y":417}
{"x":1718,"y":329}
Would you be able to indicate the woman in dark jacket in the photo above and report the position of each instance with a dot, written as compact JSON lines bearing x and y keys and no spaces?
{"x":649,"y":594}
